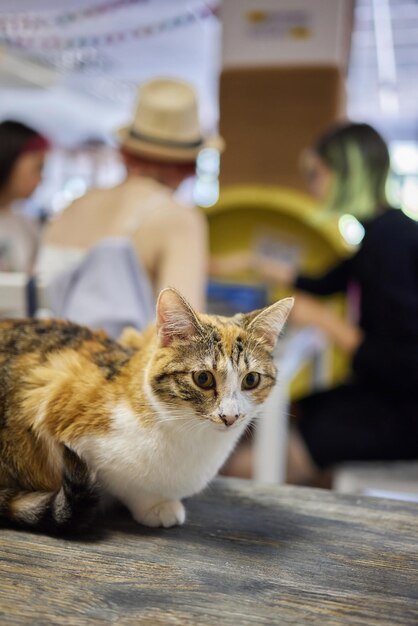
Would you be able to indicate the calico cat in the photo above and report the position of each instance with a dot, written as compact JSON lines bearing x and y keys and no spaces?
{"x":147,"y":420}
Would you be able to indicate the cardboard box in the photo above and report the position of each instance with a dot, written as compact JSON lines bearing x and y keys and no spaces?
{"x":286,"y":32}
{"x":268,"y":115}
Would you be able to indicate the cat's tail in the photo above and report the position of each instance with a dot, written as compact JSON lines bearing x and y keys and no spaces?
{"x":72,"y":509}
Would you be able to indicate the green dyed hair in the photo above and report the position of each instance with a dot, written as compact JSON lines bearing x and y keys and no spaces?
{"x":359,"y":158}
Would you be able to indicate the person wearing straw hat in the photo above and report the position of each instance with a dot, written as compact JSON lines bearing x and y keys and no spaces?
{"x":159,"y":148}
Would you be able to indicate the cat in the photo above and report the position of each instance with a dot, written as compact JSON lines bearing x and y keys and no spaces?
{"x":147,"y":420}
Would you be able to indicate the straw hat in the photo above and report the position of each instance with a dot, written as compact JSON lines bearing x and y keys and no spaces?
{"x":166,"y":123}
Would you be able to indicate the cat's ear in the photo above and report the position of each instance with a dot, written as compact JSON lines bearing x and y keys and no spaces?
{"x":175,"y":318}
{"x":268,"y":323}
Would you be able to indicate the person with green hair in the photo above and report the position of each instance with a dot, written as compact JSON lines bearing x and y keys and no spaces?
{"x":352,"y":164}
{"x":373,"y":415}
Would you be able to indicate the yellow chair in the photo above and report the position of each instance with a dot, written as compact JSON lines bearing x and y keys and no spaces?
{"x":247,"y":217}
{"x":245,"y":213}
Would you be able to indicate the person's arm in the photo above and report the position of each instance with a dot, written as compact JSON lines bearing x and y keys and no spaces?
{"x":231,"y":263}
{"x":282,"y":274}
{"x":183,"y":257}
{"x":244,"y":261}
{"x":308,"y":311}
{"x":333,"y":281}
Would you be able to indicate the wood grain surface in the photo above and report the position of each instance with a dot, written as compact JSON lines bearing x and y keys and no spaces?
{"x":247,"y":555}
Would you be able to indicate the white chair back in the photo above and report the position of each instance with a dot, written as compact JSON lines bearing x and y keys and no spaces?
{"x":14,"y":294}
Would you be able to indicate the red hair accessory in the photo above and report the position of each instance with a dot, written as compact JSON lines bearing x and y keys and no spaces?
{"x":36,"y":144}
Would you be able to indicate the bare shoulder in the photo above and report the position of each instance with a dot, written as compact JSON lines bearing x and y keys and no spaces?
{"x":72,"y":214}
{"x":180,"y":217}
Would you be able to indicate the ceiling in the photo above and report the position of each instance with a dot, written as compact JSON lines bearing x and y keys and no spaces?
{"x":89,"y":76}
{"x":383,"y":76}
{"x":94,"y":82}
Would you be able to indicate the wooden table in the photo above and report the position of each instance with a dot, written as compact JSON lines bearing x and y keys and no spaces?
{"x":248,"y":554}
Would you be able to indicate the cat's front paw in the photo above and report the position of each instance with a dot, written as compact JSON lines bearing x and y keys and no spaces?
{"x":168,"y":513}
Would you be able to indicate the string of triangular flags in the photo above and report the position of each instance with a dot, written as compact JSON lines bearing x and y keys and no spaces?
{"x":27,"y":22}
{"x":55,"y":42}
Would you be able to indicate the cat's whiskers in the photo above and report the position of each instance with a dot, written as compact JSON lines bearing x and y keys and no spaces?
{"x":185,"y":422}
{"x":189,"y":427}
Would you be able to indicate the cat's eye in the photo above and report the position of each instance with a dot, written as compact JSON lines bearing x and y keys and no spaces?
{"x":251,"y":380}
{"x":204,"y":379}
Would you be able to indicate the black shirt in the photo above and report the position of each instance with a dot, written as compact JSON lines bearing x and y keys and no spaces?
{"x":386,"y":270}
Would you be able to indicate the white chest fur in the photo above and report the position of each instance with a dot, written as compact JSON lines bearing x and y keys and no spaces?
{"x":175,"y":458}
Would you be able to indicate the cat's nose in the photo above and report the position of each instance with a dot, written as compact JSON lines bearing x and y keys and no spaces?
{"x":228,"y":420}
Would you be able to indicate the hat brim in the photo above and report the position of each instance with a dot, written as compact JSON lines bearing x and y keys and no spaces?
{"x":160,"y":152}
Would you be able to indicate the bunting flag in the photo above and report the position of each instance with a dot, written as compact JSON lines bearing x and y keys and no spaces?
{"x":32,"y":22}
{"x":107,"y":39}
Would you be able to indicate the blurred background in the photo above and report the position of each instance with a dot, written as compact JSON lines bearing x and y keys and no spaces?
{"x":72,"y":72}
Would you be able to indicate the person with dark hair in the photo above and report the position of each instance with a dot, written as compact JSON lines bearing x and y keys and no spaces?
{"x":347,"y":169}
{"x":22,"y":155}
{"x":374,"y":414}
